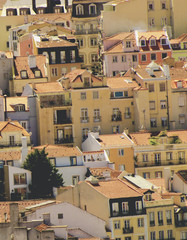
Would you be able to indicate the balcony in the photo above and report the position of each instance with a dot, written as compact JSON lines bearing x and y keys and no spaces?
{"x":157,"y":162}
{"x":116,"y":117}
{"x":55,"y":103}
{"x":169,"y":221}
{"x":63,"y":121}
{"x":160,"y":222}
{"x":127,"y":230}
{"x":182,"y":223}
{"x":97,"y":119}
{"x":12,"y":144}
{"x":68,"y":139}
{"x":160,"y":163}
{"x":84,"y":119}
{"x":152,"y":223}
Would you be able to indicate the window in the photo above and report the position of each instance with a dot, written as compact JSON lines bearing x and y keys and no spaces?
{"x":123,"y":58}
{"x":75,"y":180}
{"x":60,"y":215}
{"x":11,"y":140}
{"x":164,"y":55}
{"x":115,"y":208}
{"x":53,"y":57}
{"x":138,"y":205}
{"x":163,"y":104}
{"x":127,"y":113}
{"x":141,"y":238}
{"x":153,"y":122}
{"x":151,"y":21}
{"x":72,"y":55}
{"x":64,"y":70}
{"x":181,"y":118}
{"x":114,"y":59}
{"x":181,"y":156}
{"x":140,"y":222}
{"x":160,"y":218}
{"x":127,"y":224}
{"x":163,"y":5}
{"x":95,"y":94}
{"x":152,"y":105}
{"x":97,"y":116}
{"x":163,"y":22}
{"x":148,"y":197}
{"x":23,"y":74}
{"x":127,"y":238}
{"x":145,"y":157}
{"x":14,"y":35}
{"x":161,"y":235}
{"x":57,"y":10}
{"x":152,"y":219}
{"x":20,"y":178}
{"x":93,"y":42}
{"x":80,"y":42}
{"x":83,"y":95}
{"x":170,"y":234}
{"x":183,"y":199}
{"x":151,"y":87}
{"x":169,"y":156}
{"x":62,"y":56}
{"x":115,"y":129}
{"x":134,"y":58}
{"x":54,"y":72}
{"x":162,"y":87}
{"x":142,"y":42}
{"x":85,"y":133}
{"x":24,"y":124}
{"x":164,"y":122}
{"x":152,"y":42}
{"x":150,"y":6}
{"x":8,"y":27}
{"x":84,"y":115}
{"x":73,"y":161}
{"x":92,"y":9}
{"x":121,"y":152}
{"x":168,"y":217}
{"x":153,"y":56}
{"x":79,"y":10}
{"x":40,"y":11}
{"x":158,"y":174}
{"x":146,"y":175}
{"x":7,"y":44}
{"x":117,"y":224}
{"x":79,"y":27}
{"x":125,"y":207}
{"x":143,"y":57}
{"x":128,"y":44}
{"x":94,"y":58}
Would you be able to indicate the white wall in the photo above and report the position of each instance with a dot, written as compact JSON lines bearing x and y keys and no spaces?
{"x":77,"y":219}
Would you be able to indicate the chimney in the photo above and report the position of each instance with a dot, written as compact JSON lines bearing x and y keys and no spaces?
{"x":50,"y":5}
{"x":167,"y":176}
{"x":32,"y":61}
{"x":24,"y":149}
{"x":14,"y":213}
{"x":166,"y":71}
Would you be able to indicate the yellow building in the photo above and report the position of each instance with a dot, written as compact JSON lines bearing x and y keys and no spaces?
{"x":81,"y":102}
{"x":155,"y":152}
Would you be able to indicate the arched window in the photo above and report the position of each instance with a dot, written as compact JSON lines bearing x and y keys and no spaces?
{"x":79,"y":10}
{"x":92,"y":9}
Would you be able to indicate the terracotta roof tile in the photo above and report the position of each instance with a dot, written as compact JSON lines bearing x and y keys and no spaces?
{"x":13,"y":126}
{"x":60,"y":151}
{"x":121,"y":82}
{"x":115,"y":189}
{"x":10,"y":155}
{"x":51,"y":17}
{"x":42,"y":227}
{"x":98,"y":172}
{"x":55,"y":43}
{"x":21,"y":63}
{"x":114,"y":140}
{"x":49,"y":87}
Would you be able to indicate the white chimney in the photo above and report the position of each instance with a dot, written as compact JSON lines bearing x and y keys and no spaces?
{"x":32,"y":61}
{"x":166,"y":71}
{"x":24,"y":149}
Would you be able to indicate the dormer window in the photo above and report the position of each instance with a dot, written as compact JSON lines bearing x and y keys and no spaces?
{"x":19,"y":107}
{"x":11,"y":12}
{"x":86,"y":82}
{"x":24,"y":74}
{"x":163,"y":41}
{"x":142,"y":43}
{"x":24,"y":11}
{"x":92,"y":9}
{"x":79,"y":10}
{"x":152,"y":42}
{"x":148,"y":197}
{"x":40,"y":11}
{"x":128,"y":44}
{"x":37,"y":74}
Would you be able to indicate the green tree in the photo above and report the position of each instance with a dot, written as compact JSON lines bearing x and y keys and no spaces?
{"x":44,"y":175}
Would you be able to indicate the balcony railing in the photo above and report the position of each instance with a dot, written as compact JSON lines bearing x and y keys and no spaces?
{"x":152,"y":223}
{"x":63,"y":121}
{"x":182,"y":223}
{"x":127,"y":230}
{"x":116,"y":117}
{"x":84,"y":119}
{"x":160,"y":163}
{"x":68,"y":139}
{"x":160,"y":222}
{"x":97,"y":119}
{"x":169,"y":221}
{"x":12,"y":144}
